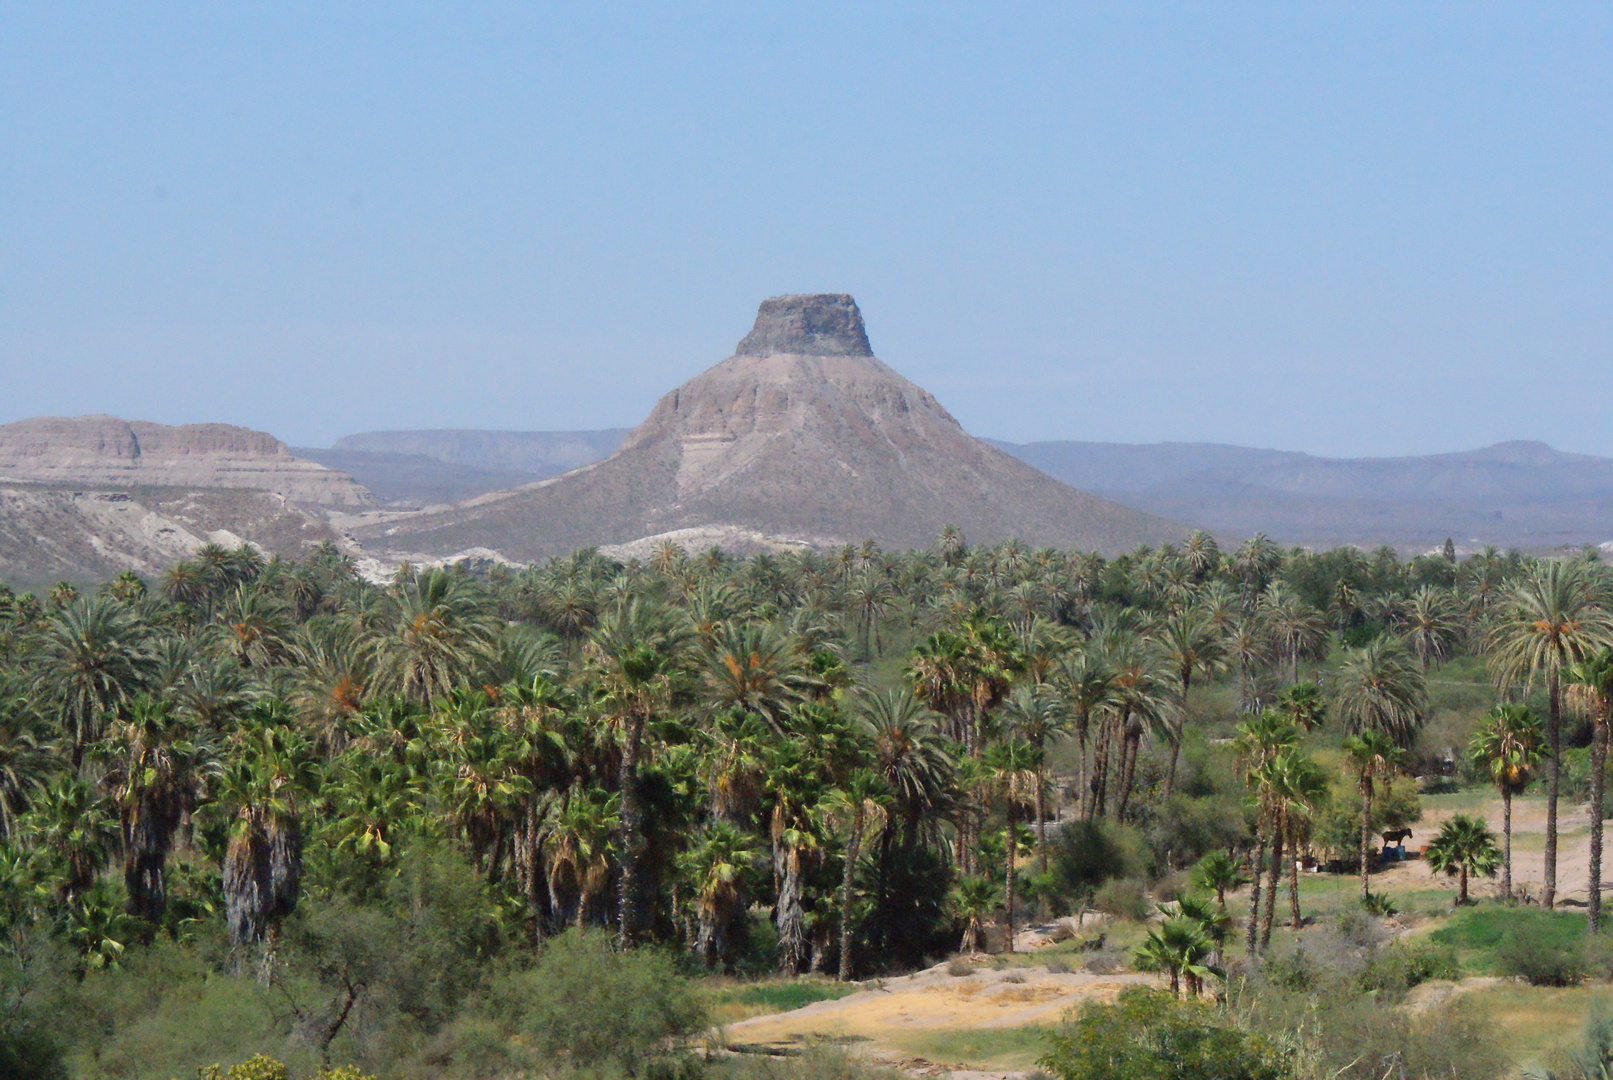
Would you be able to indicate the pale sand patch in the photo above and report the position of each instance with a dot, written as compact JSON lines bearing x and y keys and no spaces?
{"x":934,"y":1000}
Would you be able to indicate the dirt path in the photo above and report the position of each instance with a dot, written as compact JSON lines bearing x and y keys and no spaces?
{"x":885,"y":1021}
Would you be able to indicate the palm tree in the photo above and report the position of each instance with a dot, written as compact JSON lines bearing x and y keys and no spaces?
{"x":1591,"y":690}
{"x":974,"y":897}
{"x":1249,"y":650}
{"x":1301,"y":791}
{"x":636,"y":655}
{"x":1086,"y":681}
{"x":26,"y":758}
{"x":860,"y":801}
{"x":757,"y":668}
{"x":1552,"y":618}
{"x":254,"y":625}
{"x":157,"y":767}
{"x":1372,"y":756}
{"x":1430,"y":624}
{"x":1261,"y":739}
{"x":1182,"y":949}
{"x":1379,"y":688}
{"x":71,"y":823}
{"x":91,"y":660}
{"x":1143,"y":703}
{"x":1462,"y":848}
{"x":719,"y":865}
{"x":263,"y":790}
{"x":1190,"y":643}
{"x":1509,"y":747}
{"x":578,"y":841}
{"x":1015,"y":765}
{"x":1296,"y":627}
{"x":1038,"y":715}
{"x":1218,"y":872}
{"x":438,"y":631}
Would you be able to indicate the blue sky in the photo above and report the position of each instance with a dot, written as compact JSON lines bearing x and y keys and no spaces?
{"x":1349,"y":229}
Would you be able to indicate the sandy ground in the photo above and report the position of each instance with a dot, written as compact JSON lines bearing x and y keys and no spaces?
{"x":1528,"y":851}
{"x":872,"y":1021}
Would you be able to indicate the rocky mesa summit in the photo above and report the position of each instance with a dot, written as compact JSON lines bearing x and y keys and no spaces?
{"x":801,"y":436}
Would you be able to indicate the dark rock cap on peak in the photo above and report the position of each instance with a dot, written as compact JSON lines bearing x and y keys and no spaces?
{"x":813,"y":324}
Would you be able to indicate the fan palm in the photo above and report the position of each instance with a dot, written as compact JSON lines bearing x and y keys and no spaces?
{"x":1039,"y":715}
{"x":973,"y":899}
{"x":1463,"y":847}
{"x":263,"y":790}
{"x":72,"y":824}
{"x":636,"y":655}
{"x":1260,"y":740}
{"x":859,"y":802}
{"x":1372,"y":756}
{"x":156,"y":769}
{"x":1180,"y":948}
{"x":1551,"y":618}
{"x":579,"y":841}
{"x":719,"y":865}
{"x":1015,"y":765}
{"x":1509,"y":747}
{"x":1218,"y":872}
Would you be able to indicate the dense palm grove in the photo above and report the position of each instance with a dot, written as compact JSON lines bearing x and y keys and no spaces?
{"x":846,"y":762}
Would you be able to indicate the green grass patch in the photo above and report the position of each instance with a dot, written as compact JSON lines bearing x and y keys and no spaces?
{"x":1478,"y":933}
{"x":739,"y":1001}
{"x":991,"y":1048}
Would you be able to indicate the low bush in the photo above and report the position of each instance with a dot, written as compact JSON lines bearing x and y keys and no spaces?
{"x":1532,"y":952}
{"x":588,"y":1006}
{"x":1124,"y":898}
{"x":1401,"y":967}
{"x":1147,"y":1034}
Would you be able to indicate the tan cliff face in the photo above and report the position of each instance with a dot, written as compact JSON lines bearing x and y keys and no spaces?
{"x":106,"y":452}
{"x":801,"y":434}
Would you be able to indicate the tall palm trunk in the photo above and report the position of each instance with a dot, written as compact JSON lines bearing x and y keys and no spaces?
{"x":791,"y":917}
{"x":1598,"y":786}
{"x":1293,"y":888}
{"x":853,"y":842}
{"x":1554,"y":741}
{"x":1506,"y":842}
{"x":1250,"y":936}
{"x":1271,"y":886}
{"x":627,"y":907}
{"x":1041,"y":824}
{"x":1366,"y":835}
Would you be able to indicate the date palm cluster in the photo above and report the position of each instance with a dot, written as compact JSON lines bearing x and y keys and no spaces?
{"x":853,"y":744}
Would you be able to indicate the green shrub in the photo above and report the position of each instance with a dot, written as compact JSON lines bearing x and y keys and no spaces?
{"x":1401,"y":967}
{"x":587,"y":1005}
{"x":1123,"y":898}
{"x":1084,"y":855}
{"x":1149,"y":1035}
{"x":1530,"y":952}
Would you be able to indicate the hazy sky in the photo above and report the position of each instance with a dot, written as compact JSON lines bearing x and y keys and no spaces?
{"x":1343,"y":228}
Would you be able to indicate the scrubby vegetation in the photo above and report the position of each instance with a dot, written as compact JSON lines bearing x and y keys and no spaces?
{"x":503,"y":823}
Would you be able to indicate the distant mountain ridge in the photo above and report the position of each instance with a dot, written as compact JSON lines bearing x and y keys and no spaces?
{"x":1522,"y":494}
{"x":802,"y":436}
{"x":536,"y":454}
